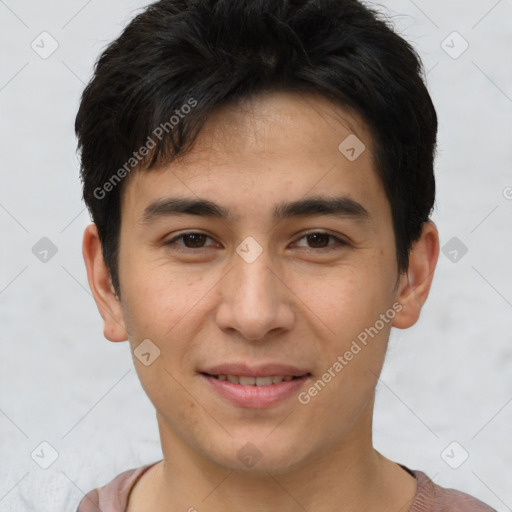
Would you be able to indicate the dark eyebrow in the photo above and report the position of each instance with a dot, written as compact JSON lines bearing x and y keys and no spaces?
{"x":184,"y":206}
{"x":343,"y":207}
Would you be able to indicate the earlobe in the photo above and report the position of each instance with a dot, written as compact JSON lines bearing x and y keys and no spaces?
{"x":98,"y":276}
{"x":414,"y":285}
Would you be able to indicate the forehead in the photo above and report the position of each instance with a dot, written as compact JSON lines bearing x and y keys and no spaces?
{"x":277,"y":122}
{"x":275,"y":143}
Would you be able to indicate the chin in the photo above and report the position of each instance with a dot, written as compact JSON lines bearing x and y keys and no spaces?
{"x":260,"y":455}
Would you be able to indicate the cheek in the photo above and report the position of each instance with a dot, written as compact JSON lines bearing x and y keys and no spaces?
{"x":157,"y":293}
{"x":353,"y":349}
{"x":347,"y":308}
{"x":347,"y":299}
{"x":168,"y":307}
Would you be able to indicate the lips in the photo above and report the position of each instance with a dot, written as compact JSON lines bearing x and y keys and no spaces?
{"x":255,"y":386}
{"x":263,"y":370}
{"x":254,"y":396}
{"x":244,"y":380}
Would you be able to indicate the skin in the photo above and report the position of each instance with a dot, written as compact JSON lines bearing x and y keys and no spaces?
{"x":297,"y":303}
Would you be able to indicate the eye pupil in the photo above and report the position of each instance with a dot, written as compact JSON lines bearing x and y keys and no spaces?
{"x":195,"y":238}
{"x":315,"y":236}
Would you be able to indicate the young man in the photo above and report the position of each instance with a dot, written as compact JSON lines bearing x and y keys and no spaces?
{"x":260,"y":177}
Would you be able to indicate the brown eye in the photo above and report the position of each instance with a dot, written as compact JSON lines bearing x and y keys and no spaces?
{"x":195,"y":240}
{"x":191,"y":240}
{"x":320,"y":240}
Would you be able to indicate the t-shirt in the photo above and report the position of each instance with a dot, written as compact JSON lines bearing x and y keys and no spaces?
{"x":113,"y":497}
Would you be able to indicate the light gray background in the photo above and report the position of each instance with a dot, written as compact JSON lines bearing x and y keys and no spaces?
{"x":446,"y":379}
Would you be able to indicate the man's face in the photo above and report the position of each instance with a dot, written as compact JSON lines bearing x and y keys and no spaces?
{"x":254,"y":289}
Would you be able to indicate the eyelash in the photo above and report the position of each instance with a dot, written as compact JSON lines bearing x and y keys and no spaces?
{"x":340,"y":242}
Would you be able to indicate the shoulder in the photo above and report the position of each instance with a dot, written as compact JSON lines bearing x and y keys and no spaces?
{"x":434,"y":498}
{"x":114,"y":495}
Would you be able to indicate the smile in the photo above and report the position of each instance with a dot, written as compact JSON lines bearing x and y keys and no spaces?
{"x":255,"y":392}
{"x":245,"y":380}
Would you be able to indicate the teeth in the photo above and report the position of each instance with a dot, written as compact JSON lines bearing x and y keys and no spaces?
{"x":262,"y":381}
{"x":244,"y":380}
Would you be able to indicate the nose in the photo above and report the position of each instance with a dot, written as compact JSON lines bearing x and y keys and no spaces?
{"x":256,"y":300}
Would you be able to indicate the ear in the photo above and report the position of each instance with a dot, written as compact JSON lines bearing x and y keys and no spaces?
{"x":414,"y":285}
{"x":100,"y":283}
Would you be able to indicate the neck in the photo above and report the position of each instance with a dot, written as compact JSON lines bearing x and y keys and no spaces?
{"x":348,"y":477}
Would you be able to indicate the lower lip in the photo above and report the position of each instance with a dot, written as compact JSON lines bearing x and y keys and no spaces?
{"x":257,"y":397}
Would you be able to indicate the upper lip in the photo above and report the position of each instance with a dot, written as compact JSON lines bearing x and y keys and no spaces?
{"x":264,"y":370}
